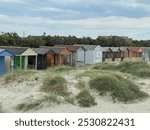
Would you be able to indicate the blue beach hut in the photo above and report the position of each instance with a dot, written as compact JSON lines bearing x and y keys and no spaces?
{"x":6,"y":61}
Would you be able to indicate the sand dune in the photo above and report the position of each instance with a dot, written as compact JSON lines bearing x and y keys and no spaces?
{"x":14,"y":93}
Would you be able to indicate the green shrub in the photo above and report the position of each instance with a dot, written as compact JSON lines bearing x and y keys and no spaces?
{"x":51,"y":98}
{"x":60,"y":68}
{"x":117,"y":86}
{"x":16,"y":74}
{"x":70,"y":99}
{"x":81,"y":85}
{"x":85,"y":99}
{"x":27,"y":106}
{"x":138,"y":68}
{"x":55,"y":85}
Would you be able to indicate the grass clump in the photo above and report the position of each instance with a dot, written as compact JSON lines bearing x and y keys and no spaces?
{"x":70,"y":99}
{"x":27,"y":106}
{"x":85,"y":99}
{"x":17,"y":74}
{"x":118,"y":87}
{"x":135,"y":67}
{"x":61,"y":68}
{"x":81,"y":85}
{"x":55,"y":85}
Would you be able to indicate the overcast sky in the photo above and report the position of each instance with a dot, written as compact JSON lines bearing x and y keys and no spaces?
{"x":77,"y":17}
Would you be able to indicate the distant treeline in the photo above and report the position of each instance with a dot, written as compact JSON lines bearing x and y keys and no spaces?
{"x":12,"y":39}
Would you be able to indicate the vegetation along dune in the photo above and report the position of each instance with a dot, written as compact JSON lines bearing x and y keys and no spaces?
{"x":105,"y":87}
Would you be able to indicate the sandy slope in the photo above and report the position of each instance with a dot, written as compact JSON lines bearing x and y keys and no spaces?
{"x":28,"y":90}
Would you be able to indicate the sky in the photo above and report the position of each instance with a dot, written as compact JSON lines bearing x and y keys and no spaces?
{"x":77,"y":17}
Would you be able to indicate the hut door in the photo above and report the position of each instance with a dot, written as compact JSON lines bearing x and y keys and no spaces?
{"x":2,"y":65}
{"x":7,"y":63}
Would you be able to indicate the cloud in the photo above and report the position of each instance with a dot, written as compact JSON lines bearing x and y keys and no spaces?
{"x":133,"y":27}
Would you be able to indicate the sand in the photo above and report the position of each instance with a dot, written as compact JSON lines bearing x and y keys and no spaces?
{"x":26,"y":91}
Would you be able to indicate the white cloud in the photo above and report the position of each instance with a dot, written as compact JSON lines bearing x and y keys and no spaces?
{"x":134,"y":27}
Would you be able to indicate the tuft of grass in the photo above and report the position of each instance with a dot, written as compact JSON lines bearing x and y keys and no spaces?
{"x":56,"y":85}
{"x":51,"y":98}
{"x":70,"y":99}
{"x":85,"y":99}
{"x":135,"y":67}
{"x":81,"y":85}
{"x":27,"y":106}
{"x":61,"y":68}
{"x":17,"y":74}
{"x":118,"y":87}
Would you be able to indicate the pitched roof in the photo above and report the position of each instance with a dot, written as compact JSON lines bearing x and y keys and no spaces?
{"x":16,"y":50}
{"x":57,"y":50}
{"x":42,"y":51}
{"x":1,"y":50}
{"x":87,"y":47}
{"x":70,"y":47}
{"x":106,"y":48}
{"x":115,"y":49}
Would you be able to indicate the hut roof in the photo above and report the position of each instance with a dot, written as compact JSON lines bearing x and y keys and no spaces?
{"x":115,"y":49}
{"x":1,"y":50}
{"x":87,"y":47}
{"x":42,"y":51}
{"x":70,"y":47}
{"x":16,"y":50}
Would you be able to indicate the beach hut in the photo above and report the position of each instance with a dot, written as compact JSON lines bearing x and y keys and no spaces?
{"x":6,"y":61}
{"x":146,"y":56}
{"x":78,"y":54}
{"x":136,"y":52}
{"x":107,"y":53}
{"x":93,"y":53}
{"x":25,"y":58}
{"x":125,"y":51}
{"x":45,"y":57}
{"x":60,"y":56}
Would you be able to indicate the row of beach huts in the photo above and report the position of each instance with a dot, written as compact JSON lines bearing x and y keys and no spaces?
{"x":74,"y":55}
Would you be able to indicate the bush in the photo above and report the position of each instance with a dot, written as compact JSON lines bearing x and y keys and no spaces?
{"x":55,"y":85}
{"x":138,"y":68}
{"x":85,"y":99}
{"x":117,"y":86}
{"x":27,"y":106}
{"x":81,"y":85}
{"x":60,"y":68}
{"x":16,"y":74}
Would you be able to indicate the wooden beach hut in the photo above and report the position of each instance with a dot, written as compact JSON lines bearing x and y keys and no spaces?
{"x":146,"y":56}
{"x":136,"y":52}
{"x":107,"y":54}
{"x":25,"y":58}
{"x":61,"y":56}
{"x":93,"y":53}
{"x":45,"y":57}
{"x":6,"y":61}
{"x":78,"y":54}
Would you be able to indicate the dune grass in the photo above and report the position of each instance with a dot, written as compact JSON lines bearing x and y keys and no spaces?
{"x":27,"y":106}
{"x":17,"y":74}
{"x":118,"y":87}
{"x":85,"y":99}
{"x":61,"y":68}
{"x":56,"y":85}
{"x":136,"y":67}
